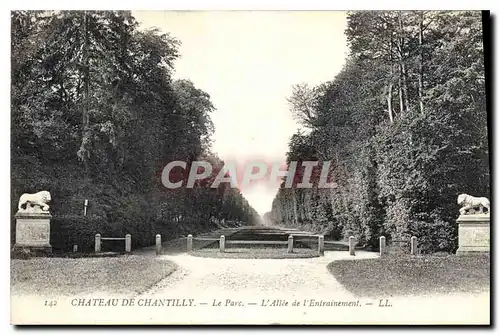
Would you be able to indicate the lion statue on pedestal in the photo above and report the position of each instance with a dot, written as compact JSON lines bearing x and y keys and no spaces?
{"x":471,"y":204}
{"x":39,"y":199}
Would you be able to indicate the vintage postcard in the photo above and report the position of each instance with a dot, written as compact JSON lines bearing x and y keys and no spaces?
{"x":250,"y":167}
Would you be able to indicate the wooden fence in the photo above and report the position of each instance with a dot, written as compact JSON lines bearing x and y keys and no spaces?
{"x":413,"y":245}
{"x":290,"y":243}
{"x":99,"y":239}
{"x":223,"y":242}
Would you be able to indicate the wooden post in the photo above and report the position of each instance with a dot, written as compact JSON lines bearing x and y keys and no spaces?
{"x":190,"y":243}
{"x":97,"y":243}
{"x":413,"y":244}
{"x":351,"y":246}
{"x":128,"y":243}
{"x":158,"y":244}
{"x":321,"y":245}
{"x":382,"y":245}
{"x":222,"y":243}
{"x":75,"y":248}
{"x":290,"y":244}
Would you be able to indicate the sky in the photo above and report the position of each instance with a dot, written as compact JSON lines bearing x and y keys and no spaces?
{"x":247,"y":61}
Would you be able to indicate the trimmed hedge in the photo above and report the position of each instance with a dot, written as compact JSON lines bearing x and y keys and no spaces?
{"x":68,"y":230}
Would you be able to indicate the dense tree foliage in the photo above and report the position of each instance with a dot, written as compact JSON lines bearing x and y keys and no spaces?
{"x":404,"y":125}
{"x":96,"y":115}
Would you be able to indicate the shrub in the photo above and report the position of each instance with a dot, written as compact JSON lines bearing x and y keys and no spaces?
{"x":68,"y":230}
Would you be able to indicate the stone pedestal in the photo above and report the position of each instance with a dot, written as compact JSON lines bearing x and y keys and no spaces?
{"x":473,"y":234}
{"x":33,"y":231}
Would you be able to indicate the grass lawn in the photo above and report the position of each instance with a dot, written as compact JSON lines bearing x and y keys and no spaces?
{"x":255,"y":253}
{"x":68,"y":276}
{"x":407,"y":275}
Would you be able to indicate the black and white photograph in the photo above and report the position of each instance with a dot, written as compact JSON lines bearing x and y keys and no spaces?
{"x":250,"y":167}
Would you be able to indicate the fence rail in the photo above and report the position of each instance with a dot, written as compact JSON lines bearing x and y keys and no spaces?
{"x":400,"y":241}
{"x":255,"y":242}
{"x":205,"y":239}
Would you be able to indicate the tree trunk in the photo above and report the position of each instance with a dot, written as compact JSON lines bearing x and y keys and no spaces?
{"x":390,"y":85}
{"x":401,"y":103}
{"x":402,"y":69}
{"x":294,"y":204}
{"x":83,"y":153}
{"x":405,"y":87}
{"x":421,"y":63}
{"x":389,"y":102}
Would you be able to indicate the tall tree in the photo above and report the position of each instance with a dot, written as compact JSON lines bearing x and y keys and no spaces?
{"x":400,"y":161}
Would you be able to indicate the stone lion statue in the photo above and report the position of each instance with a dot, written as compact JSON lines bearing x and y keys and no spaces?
{"x":470,"y":204}
{"x":39,"y":199}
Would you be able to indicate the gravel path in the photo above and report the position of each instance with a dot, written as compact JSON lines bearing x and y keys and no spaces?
{"x":255,"y":291}
{"x":246,"y":289}
{"x":247,"y":276}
